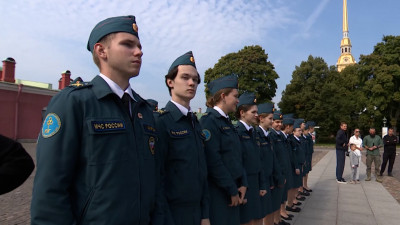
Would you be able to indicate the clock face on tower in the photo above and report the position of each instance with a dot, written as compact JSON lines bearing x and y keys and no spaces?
{"x":346,"y":59}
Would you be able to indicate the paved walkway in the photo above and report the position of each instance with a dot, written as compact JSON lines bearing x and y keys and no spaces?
{"x":333,"y":203}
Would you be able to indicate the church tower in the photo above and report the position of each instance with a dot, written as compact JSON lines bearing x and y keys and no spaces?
{"x":345,"y":58}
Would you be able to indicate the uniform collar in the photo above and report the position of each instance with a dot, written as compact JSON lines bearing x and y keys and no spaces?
{"x":278,"y":132}
{"x":296,"y":138}
{"x":174,"y":111}
{"x":116,"y":88}
{"x":264,"y":131}
{"x":245,"y":125}
{"x":181,"y":108}
{"x":218,"y":109}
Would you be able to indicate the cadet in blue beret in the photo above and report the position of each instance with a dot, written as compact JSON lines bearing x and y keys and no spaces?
{"x":181,"y":149}
{"x":278,"y":140}
{"x":250,"y":213}
{"x":289,"y":191}
{"x":226,"y":176}
{"x":308,"y":131}
{"x":297,"y":167}
{"x":272,"y":170}
{"x":96,"y":149}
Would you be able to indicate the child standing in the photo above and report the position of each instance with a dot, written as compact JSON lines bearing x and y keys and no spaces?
{"x":355,"y":156}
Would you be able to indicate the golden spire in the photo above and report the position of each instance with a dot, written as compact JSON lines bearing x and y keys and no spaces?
{"x":345,"y":23}
{"x":345,"y":58}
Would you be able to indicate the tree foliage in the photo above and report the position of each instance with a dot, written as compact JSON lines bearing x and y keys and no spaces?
{"x":361,"y":95}
{"x":255,"y":73}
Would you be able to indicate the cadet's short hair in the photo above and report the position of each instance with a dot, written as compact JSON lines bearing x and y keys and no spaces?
{"x":214,"y":99}
{"x":172,"y":75}
{"x":105,"y":41}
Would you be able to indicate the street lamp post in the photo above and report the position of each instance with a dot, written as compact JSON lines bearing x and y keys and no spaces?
{"x":384,"y":128}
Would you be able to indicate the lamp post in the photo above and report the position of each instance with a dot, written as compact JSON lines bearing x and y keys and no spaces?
{"x":384,"y":128}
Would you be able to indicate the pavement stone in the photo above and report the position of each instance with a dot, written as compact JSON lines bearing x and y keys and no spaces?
{"x":367,"y":203}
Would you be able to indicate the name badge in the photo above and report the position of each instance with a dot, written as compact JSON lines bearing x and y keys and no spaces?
{"x":107,"y":126}
{"x":149,"y":129}
{"x":179,"y":133}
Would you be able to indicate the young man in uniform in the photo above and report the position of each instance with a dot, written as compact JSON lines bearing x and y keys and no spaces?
{"x":181,"y":149}
{"x":96,"y":149}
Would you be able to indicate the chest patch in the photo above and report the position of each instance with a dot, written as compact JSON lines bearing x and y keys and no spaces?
{"x":207,"y":134}
{"x":149,"y":129}
{"x":107,"y":126}
{"x":179,"y":133}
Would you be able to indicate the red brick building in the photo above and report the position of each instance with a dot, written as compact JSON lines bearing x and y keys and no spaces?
{"x":22,"y":102}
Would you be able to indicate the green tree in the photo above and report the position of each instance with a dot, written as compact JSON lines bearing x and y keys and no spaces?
{"x":255,"y":73}
{"x":380,"y":72}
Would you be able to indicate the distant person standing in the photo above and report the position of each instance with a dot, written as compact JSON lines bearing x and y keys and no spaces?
{"x":389,"y":153}
{"x":357,"y":141}
{"x":372,"y":143}
{"x":341,"y":148}
{"x":355,"y":158}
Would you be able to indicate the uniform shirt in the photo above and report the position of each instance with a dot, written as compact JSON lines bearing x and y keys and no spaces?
{"x":95,"y":163}
{"x":182,"y":158}
{"x":223,"y":152}
{"x":270,"y":164}
{"x":370,"y":142}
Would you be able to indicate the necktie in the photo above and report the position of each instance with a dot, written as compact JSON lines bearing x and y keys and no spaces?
{"x":190,"y":118}
{"x":126,"y":100}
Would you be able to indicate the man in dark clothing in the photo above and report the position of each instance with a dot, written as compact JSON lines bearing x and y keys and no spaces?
{"x":15,"y":164}
{"x":389,"y":142}
{"x":341,"y":148}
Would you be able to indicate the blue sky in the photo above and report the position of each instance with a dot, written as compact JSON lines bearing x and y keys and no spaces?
{"x":48,"y":37}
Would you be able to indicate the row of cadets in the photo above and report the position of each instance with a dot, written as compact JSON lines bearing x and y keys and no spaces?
{"x":280,"y":148}
{"x":272,"y":170}
{"x":226,"y":175}
{"x":250,"y":213}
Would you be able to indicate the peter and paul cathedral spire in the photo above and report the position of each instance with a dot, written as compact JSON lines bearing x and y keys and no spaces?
{"x":345,"y":58}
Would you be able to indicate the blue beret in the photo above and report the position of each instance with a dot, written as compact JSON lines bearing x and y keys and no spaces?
{"x":297,"y":124}
{"x":307,"y":126}
{"x":153,"y":103}
{"x":112,"y":25}
{"x":185,"y":59}
{"x":300,"y":120}
{"x":277,"y":115}
{"x":287,"y":121}
{"x":289,"y":115}
{"x":311,"y":123}
{"x":247,"y":99}
{"x":230,"y":81}
{"x":266,"y":108}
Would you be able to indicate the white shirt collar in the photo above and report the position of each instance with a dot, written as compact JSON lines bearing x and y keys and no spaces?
{"x":284,"y":134}
{"x":296,"y":138}
{"x":182,"y":108}
{"x":116,"y":88}
{"x":278,"y":132}
{"x":265,"y":132}
{"x":245,"y":125}
{"x":220,"y":111}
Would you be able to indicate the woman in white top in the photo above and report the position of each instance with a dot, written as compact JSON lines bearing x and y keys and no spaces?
{"x":356,"y":139}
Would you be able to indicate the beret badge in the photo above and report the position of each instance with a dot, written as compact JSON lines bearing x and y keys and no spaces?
{"x":135,"y":27}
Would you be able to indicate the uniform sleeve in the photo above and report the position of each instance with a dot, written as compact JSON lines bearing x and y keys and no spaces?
{"x":15,"y":164}
{"x":57,"y":162}
{"x":162,"y":212}
{"x":277,"y":175}
{"x":262,"y":180}
{"x":216,"y":169}
{"x":281,"y":165}
{"x":205,"y":202}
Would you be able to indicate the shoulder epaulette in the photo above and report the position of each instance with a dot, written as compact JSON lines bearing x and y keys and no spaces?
{"x":162,"y":111}
{"x":79,"y":83}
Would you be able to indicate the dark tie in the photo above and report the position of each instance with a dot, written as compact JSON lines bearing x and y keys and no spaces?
{"x":190,"y":118}
{"x":125,"y":100}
